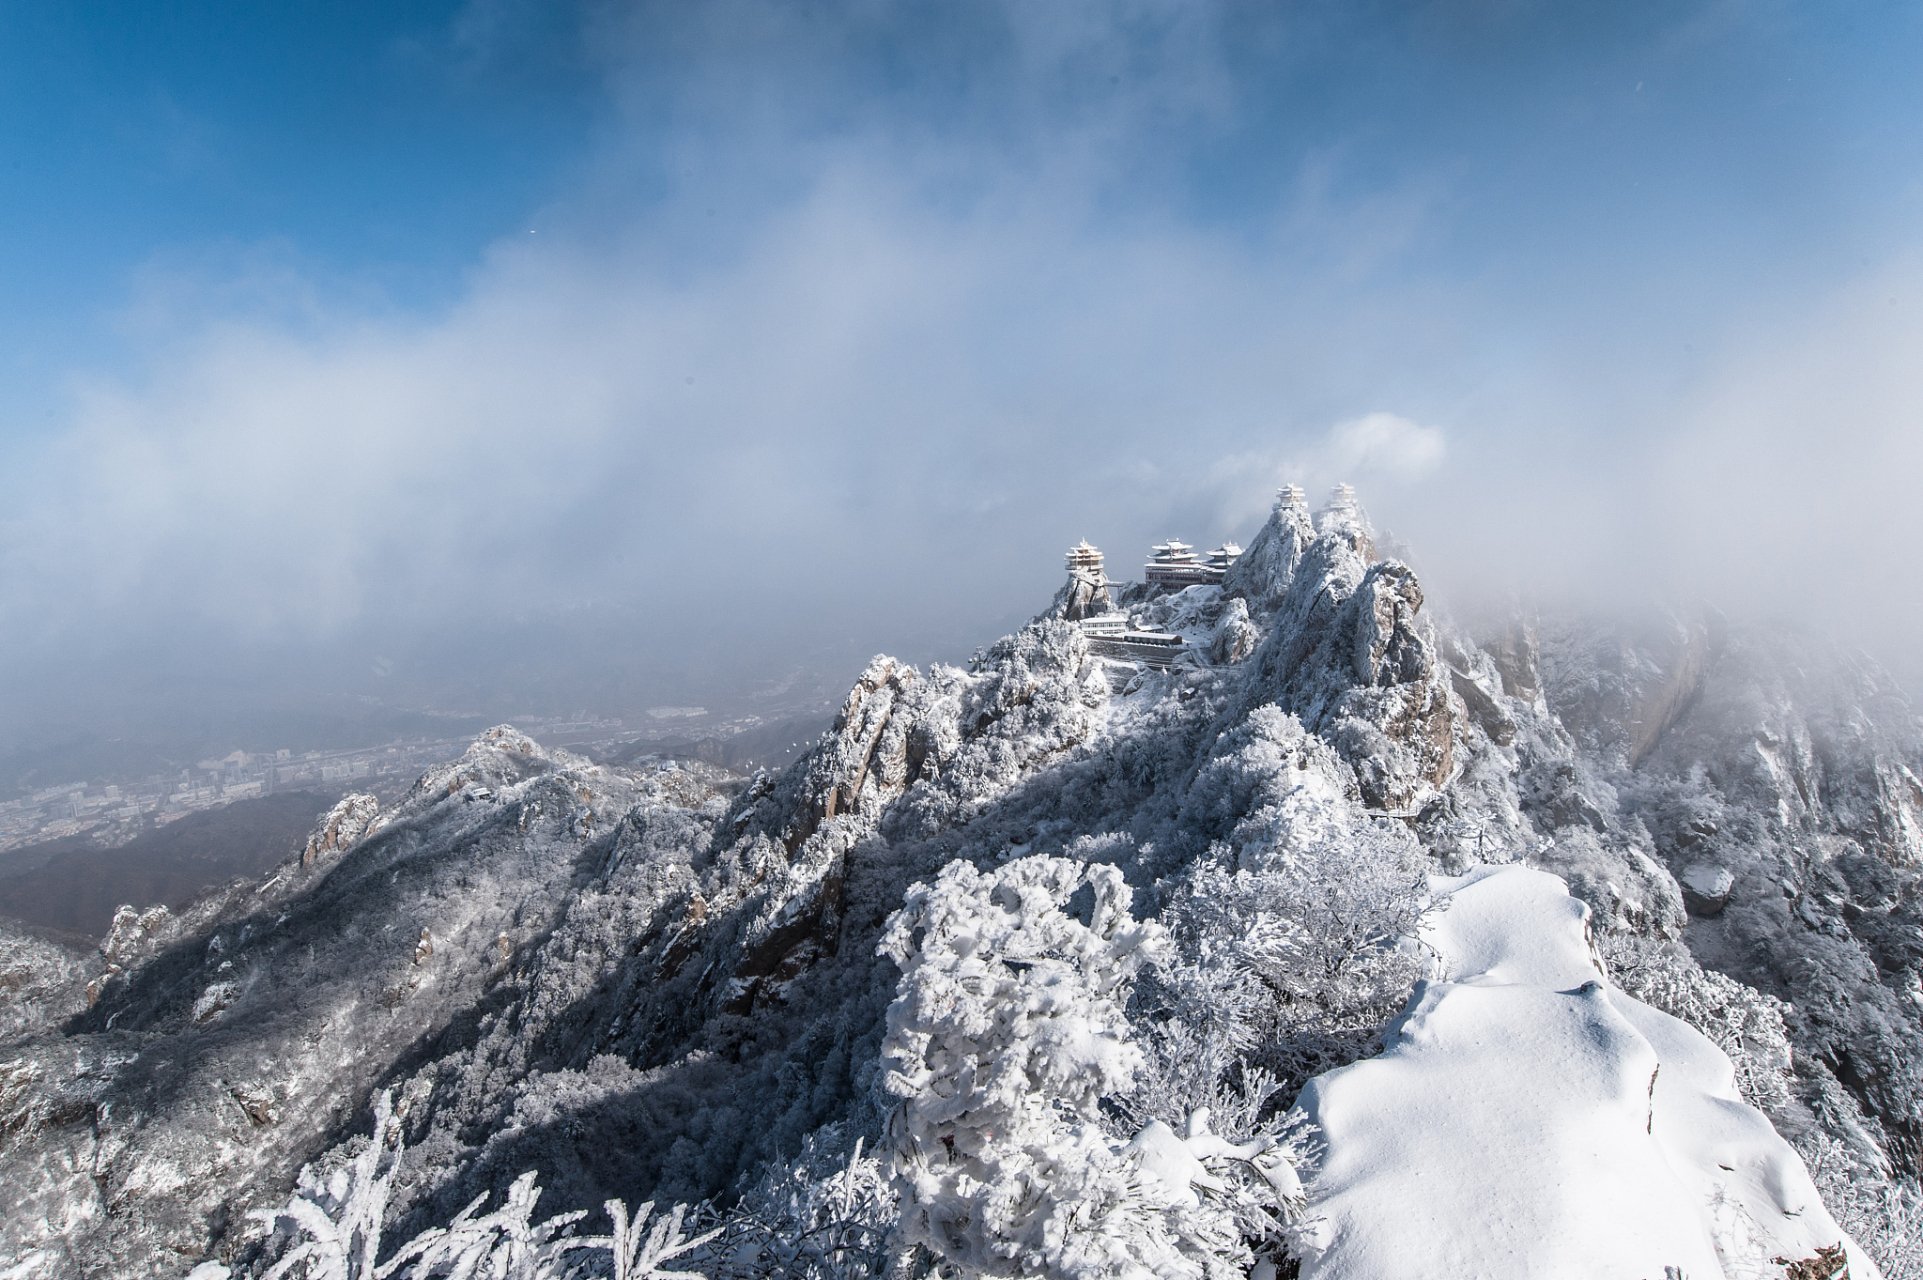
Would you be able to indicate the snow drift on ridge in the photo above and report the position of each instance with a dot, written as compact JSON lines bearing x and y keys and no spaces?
{"x":1526,"y":1119}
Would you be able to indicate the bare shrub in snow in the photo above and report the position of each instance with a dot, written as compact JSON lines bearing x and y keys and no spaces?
{"x":1885,"y":1217}
{"x":816,"y":1217}
{"x":1006,"y":1035}
{"x":340,"y":1219}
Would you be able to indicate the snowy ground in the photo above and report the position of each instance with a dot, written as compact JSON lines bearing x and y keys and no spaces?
{"x":1527,"y":1119}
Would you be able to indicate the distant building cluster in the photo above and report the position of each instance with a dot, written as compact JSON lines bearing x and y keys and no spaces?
{"x":1172,"y":566}
{"x":115,"y":812}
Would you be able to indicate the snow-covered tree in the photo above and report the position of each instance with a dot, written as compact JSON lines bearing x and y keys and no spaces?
{"x":1007,"y":1034}
{"x":1291,"y":963}
{"x":336,"y":1220}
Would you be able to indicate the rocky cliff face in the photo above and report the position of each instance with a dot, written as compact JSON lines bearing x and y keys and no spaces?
{"x":1791,"y":778}
{"x":648,"y":983}
{"x":1351,"y":655}
{"x":340,"y":827}
{"x":1263,"y":573}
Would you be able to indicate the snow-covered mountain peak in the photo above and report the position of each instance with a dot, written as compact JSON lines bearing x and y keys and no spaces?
{"x":1266,"y":568}
{"x":666,"y":983}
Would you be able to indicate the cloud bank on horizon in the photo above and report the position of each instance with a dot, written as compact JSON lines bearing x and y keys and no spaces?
{"x":853,"y":314}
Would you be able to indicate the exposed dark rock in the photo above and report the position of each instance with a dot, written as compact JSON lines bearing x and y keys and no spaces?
{"x":1706,"y":889}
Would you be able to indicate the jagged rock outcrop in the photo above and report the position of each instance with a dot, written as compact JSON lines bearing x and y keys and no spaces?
{"x":1351,"y":654}
{"x":133,"y":935}
{"x":1262,"y":574}
{"x":1236,"y":634}
{"x":353,"y":817}
{"x":1086,"y":593}
{"x":1477,"y":678}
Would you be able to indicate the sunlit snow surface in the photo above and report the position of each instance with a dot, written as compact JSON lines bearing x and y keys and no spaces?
{"x":1525,"y":1119}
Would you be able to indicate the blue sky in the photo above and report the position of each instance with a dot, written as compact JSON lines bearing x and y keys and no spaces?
{"x":384,"y":148}
{"x":373,"y":142}
{"x":358,"y":326}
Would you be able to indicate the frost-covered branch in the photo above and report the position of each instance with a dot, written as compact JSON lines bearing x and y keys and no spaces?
{"x":817,"y":1217}
{"x":337,"y":1226}
{"x":341,"y":1218}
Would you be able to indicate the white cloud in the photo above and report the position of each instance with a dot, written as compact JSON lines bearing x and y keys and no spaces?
{"x":1384,"y":445}
{"x":894,"y":371}
{"x":1789,"y":479}
{"x":873,"y":406}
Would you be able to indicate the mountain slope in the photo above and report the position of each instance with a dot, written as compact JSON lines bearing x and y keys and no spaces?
{"x":652,"y":983}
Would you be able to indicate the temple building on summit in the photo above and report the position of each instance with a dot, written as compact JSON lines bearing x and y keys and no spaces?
{"x":1105,"y":610}
{"x":1087,"y":590}
{"x":1222,"y":557}
{"x":1086,"y":559}
{"x":1175,"y":564}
